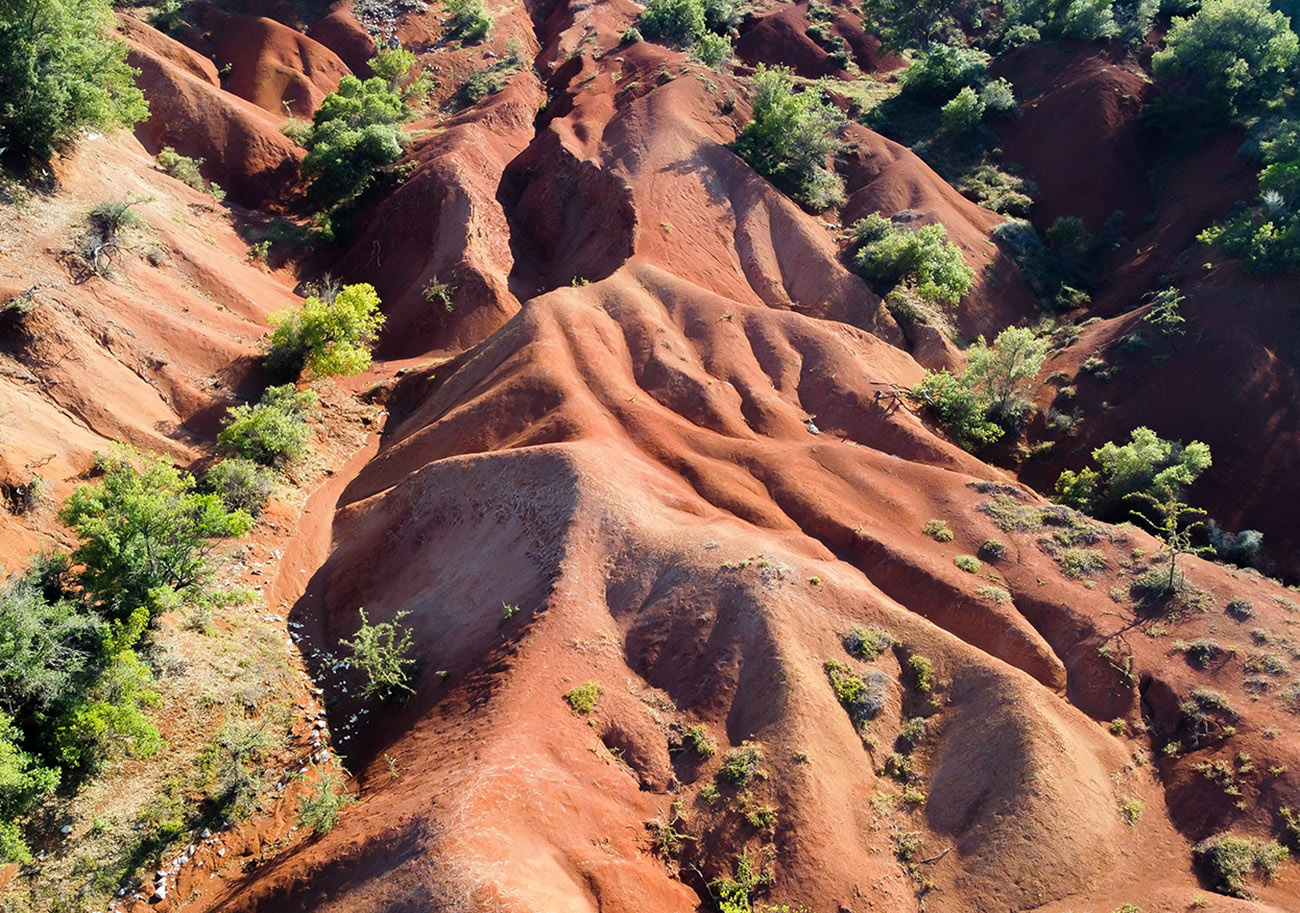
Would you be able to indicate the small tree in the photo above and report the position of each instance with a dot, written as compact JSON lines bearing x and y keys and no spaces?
{"x":273,"y":432}
{"x":328,"y":336}
{"x":59,"y":73}
{"x":382,"y":652}
{"x":1175,"y":523}
{"x":1230,"y":59}
{"x":319,"y":810}
{"x":145,"y":534}
{"x":1163,"y":314}
{"x":922,"y":259}
{"x":790,"y":138}
{"x":1003,"y":373}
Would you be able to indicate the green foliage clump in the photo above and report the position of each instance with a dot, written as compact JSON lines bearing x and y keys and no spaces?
{"x":327,"y":335}
{"x":241,"y":484}
{"x":922,"y":259}
{"x":944,"y":70}
{"x":713,"y":50}
{"x":383,"y":652}
{"x":968,"y":563}
{"x":963,"y":113}
{"x":583,"y":698}
{"x":355,"y":133}
{"x":674,"y":22}
{"x":938,"y":530}
{"x":1229,"y":861}
{"x":23,"y":783}
{"x":861,"y":695}
{"x":697,"y":740}
{"x":272,"y":433}
{"x":186,"y":170}
{"x":922,"y":669}
{"x":1147,"y":464}
{"x":790,"y":138}
{"x":867,"y":643}
{"x":990,"y":396}
{"x":741,"y":764}
{"x":60,"y":73}
{"x":145,"y":534}
{"x":1061,"y":265}
{"x":319,"y":810}
{"x":468,"y":20}
{"x":1230,"y":59}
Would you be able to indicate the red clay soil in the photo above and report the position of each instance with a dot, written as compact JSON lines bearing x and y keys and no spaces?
{"x":662,"y":451}
{"x":780,"y":38}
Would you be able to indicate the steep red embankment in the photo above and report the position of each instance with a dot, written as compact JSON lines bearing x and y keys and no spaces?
{"x":661,"y":450}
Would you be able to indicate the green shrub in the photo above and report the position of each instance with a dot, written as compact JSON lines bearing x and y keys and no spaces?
{"x":997,"y":190}
{"x":356,"y":133}
{"x":697,"y":740}
{"x":489,"y":80}
{"x":968,"y":563}
{"x":994,"y":594}
{"x":867,"y":643}
{"x":679,"y":23}
{"x":938,"y":530}
{"x":110,"y":718}
{"x":23,"y":783}
{"x":790,"y":138}
{"x":60,"y":73}
{"x":963,"y":114}
{"x":991,"y":395}
{"x":713,"y":50}
{"x":992,"y":549}
{"x":741,"y":764}
{"x":468,"y":21}
{"x":145,"y":534}
{"x":922,"y":669}
{"x":319,"y":810}
{"x":328,"y":336}
{"x":1228,"y":60}
{"x":998,"y":98}
{"x":272,"y":433}
{"x":241,"y":485}
{"x":943,"y":71}
{"x":1145,"y":465}
{"x":383,"y":651}
{"x":889,"y":255}
{"x":186,"y":170}
{"x":1230,"y":861}
{"x":631,"y":36}
{"x":863,"y":696}
{"x":583,"y":698}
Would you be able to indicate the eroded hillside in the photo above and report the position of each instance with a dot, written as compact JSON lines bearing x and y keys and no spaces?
{"x":707,"y":605}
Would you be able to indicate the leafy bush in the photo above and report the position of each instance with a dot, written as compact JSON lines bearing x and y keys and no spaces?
{"x":328,"y":335}
{"x":1147,"y":464}
{"x":145,"y":534}
{"x":862,"y":695}
{"x":741,"y":764}
{"x":938,"y":530}
{"x":998,"y":98}
{"x":697,"y":739}
{"x":923,"y":259}
{"x":382,"y":651}
{"x":111,"y":716}
{"x":583,"y":699}
{"x":1229,"y":861}
{"x":790,"y":138}
{"x":23,"y":783}
{"x":943,"y":71}
{"x":968,"y":563}
{"x":59,"y":72}
{"x":989,"y":398}
{"x":356,"y":133}
{"x":676,"y":22}
{"x":1231,"y":59}
{"x":272,"y":433}
{"x":1061,"y":265}
{"x":241,"y":485}
{"x":867,"y":643}
{"x":468,"y":20}
{"x":963,"y":114}
{"x":922,"y":669}
{"x":713,"y":50}
{"x":186,"y":170}
{"x":319,"y":810}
